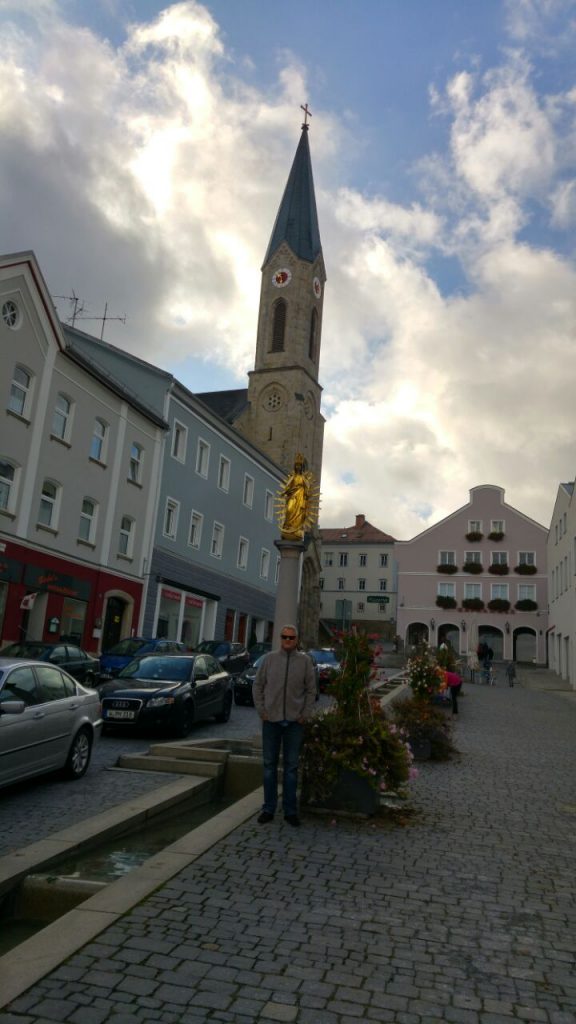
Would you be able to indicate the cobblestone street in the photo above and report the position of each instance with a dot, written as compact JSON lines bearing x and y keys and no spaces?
{"x":463,"y":914}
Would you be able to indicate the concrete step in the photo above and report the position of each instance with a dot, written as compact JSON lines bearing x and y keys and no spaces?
{"x":190,"y":753}
{"x":178,"y":765}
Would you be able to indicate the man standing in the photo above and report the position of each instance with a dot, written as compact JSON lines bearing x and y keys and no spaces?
{"x":284,"y":694}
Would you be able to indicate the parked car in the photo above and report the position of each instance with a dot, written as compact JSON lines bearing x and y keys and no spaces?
{"x":243,"y":683}
{"x":48,"y":721}
{"x":118,"y":657}
{"x":232,"y":656}
{"x":171,"y":692}
{"x":70,"y":657}
{"x":327,"y":663}
{"x":258,"y":649}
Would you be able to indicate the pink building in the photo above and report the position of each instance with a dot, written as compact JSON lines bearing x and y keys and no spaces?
{"x":478,"y":575}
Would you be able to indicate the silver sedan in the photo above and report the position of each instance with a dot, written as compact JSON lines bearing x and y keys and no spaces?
{"x":48,"y":721}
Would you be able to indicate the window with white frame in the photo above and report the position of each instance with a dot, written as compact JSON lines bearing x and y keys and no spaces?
{"x":321,"y":582}
{"x":383,"y":584}
{"x":202,"y":457}
{"x":217,"y":542}
{"x":11,"y":314}
{"x":87,"y":525}
{"x":243,"y":547}
{"x":362,"y":559}
{"x":497,"y":526}
{"x":328,"y":559}
{"x":224,"y":473}
{"x":195,"y":531}
{"x":526,"y":558}
{"x":360,"y":606}
{"x":135,"y":464}
{"x":49,"y":499}
{"x":343,"y":558}
{"x":61,"y":418}
{"x":473,"y":591}
{"x":20,"y":392}
{"x":8,"y":474}
{"x":446,"y":589}
{"x":269,"y":506}
{"x":447,"y":558}
{"x":179,"y":441}
{"x":264,"y":563}
{"x":473,"y":556}
{"x":499,"y":558}
{"x":499,"y":590}
{"x":383,"y":609}
{"x":526,"y":591}
{"x":126,"y":537}
{"x":248,"y":490}
{"x":341,"y":583}
{"x":474,"y":526}
{"x":361,"y":584}
{"x":98,"y":442}
{"x":171,"y":512}
{"x":383,"y":561}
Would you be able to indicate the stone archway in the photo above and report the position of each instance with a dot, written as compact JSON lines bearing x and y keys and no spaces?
{"x":417,"y":633}
{"x":525,"y":644}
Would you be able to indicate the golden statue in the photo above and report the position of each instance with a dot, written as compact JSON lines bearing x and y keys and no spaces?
{"x":298,"y":501}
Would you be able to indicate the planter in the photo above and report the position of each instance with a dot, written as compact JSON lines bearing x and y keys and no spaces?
{"x":447,"y":567}
{"x":473,"y":567}
{"x":498,"y":569}
{"x":351,"y":793}
{"x":445,"y":602}
{"x":473,"y":604}
{"x":474,"y":536}
{"x":525,"y":570}
{"x":496,"y":535}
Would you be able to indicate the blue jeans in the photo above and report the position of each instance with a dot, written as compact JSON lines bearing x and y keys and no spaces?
{"x":287,"y":735}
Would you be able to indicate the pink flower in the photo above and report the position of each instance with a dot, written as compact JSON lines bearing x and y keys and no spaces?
{"x":413,"y":774}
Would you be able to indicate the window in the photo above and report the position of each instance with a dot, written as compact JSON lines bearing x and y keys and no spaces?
{"x":446,"y":590}
{"x":224,"y":474}
{"x":321,"y":582}
{"x":341,"y":583}
{"x":474,"y":526}
{"x":526,"y":558}
{"x":473,"y":556}
{"x":61,"y":418}
{"x":328,"y":559}
{"x":473,"y":590}
{"x":383,"y":561}
{"x":217,"y":543}
{"x":361,"y":584}
{"x":526,"y":592}
{"x":242,"y":560}
{"x":447,"y":558}
{"x":499,"y":590}
{"x":202,"y":457}
{"x":383,"y":584}
{"x":126,"y":538}
{"x":497,"y":526}
{"x":248,"y":490}
{"x":343,"y":558}
{"x":7,"y":491}
{"x":135,"y":464}
{"x":499,"y":558}
{"x":362,"y":560}
{"x":382,"y":608}
{"x":195,"y":532}
{"x":20,"y":390}
{"x":11,"y":314}
{"x":269,"y":506}
{"x":87,"y":527}
{"x":179,"y":441}
{"x":98,"y":442}
{"x":278,"y":325}
{"x":360,"y":606}
{"x":264,"y":563}
{"x":312,"y":335}
{"x":171,"y":518}
{"x":48,"y":504}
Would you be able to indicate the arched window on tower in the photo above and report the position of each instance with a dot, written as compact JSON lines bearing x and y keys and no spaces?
{"x":278,"y":325}
{"x":313,"y":332}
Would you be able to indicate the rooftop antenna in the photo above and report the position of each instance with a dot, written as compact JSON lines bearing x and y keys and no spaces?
{"x":77,"y":307}
{"x":78,"y":311}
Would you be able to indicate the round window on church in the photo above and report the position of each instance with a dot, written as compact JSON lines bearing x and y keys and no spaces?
{"x":273,"y":399}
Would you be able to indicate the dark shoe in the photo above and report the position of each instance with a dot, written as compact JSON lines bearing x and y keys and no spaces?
{"x":292,"y":819}
{"x":264,"y":818}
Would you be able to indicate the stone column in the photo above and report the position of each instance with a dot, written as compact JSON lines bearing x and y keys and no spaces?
{"x":287,"y":592}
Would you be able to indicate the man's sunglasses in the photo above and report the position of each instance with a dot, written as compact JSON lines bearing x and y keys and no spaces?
{"x":286,"y":636}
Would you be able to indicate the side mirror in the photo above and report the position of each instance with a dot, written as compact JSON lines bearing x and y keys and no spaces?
{"x":12,"y":707}
{"x":200,"y":676}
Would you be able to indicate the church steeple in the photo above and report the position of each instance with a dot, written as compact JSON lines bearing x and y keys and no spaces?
{"x":283,"y":416}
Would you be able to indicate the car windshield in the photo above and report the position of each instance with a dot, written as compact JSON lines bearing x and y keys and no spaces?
{"x":127,"y":647}
{"x":25,"y":650}
{"x":215,"y":647}
{"x":170,"y":670}
{"x":324,"y":657}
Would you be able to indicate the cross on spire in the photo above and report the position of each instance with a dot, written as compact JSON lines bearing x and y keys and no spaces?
{"x":307,"y":114}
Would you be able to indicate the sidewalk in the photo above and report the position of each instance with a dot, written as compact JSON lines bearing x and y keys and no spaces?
{"x":465,"y":914}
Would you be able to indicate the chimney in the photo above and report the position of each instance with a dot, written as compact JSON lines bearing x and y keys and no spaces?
{"x":360,"y":520}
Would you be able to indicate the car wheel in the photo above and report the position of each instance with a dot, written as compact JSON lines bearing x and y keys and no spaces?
{"x":79,"y":755}
{"x":226,"y":709}
{"x":187,"y":719}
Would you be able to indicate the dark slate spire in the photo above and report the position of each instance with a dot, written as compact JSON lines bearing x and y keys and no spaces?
{"x":297,"y":219}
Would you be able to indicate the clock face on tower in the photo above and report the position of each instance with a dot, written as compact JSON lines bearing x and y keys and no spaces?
{"x":317,"y":287}
{"x":281,"y":277}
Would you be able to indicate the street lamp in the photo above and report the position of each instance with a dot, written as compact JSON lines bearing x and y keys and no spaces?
{"x":507,"y":627}
{"x":432,"y":623}
{"x":463,"y":626}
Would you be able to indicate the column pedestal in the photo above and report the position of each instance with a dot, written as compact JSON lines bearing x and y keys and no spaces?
{"x":288,"y":589}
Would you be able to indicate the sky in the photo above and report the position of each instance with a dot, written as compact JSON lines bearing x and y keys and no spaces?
{"x":145,"y":149}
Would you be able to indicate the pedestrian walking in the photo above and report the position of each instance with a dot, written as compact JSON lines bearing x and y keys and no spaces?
{"x":511,"y":673}
{"x":284,"y":694}
{"x":454,"y":684}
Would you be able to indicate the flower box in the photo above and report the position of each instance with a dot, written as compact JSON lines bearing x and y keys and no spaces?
{"x":526,"y":605}
{"x":473,"y":567}
{"x":499,"y":604}
{"x":447,"y":567}
{"x":474,"y":535}
{"x":525,"y":570}
{"x":497,"y":569}
{"x":473,"y":604}
{"x":496,"y":535}
{"x":445,"y":602}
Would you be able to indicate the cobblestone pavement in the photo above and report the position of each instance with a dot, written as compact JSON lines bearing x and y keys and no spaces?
{"x":465,"y":914}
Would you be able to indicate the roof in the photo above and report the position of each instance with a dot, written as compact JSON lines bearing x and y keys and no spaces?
{"x":364,"y":534}
{"x":226,"y":404}
{"x":297,"y":218}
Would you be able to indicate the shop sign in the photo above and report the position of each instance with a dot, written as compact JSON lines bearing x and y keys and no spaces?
{"x":10,"y":569}
{"x":56,"y":582}
{"x":378,"y":600}
{"x":194,"y":602}
{"x":171,"y":595}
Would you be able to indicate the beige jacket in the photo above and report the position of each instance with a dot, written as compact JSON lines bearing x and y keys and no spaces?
{"x":285,"y":687}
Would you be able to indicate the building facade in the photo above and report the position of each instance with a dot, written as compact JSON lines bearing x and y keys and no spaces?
{"x":359,"y":579}
{"x":562,"y":585}
{"x":479,"y":574}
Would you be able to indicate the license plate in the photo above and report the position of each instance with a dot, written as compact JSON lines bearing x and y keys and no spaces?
{"x":120,"y":714}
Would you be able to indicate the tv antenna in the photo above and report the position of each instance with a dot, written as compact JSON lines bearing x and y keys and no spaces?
{"x":78,"y":313}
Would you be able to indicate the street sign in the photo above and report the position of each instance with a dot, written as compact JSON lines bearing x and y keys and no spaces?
{"x":378,"y":600}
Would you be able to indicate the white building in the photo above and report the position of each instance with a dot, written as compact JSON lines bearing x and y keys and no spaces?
{"x":562,"y":585}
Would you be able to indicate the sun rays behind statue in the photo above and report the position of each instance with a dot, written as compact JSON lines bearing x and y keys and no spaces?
{"x":297,"y":501}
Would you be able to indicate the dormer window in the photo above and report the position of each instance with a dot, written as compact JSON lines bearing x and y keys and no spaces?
{"x":278,"y":325}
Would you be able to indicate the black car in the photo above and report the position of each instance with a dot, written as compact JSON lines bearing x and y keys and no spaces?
{"x":243,"y":683}
{"x":169,"y":692}
{"x":258,"y":649}
{"x":232,"y":656}
{"x":70,"y":657}
{"x":327,"y":664}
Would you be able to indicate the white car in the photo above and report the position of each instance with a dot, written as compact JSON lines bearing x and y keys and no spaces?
{"x":48,"y":721}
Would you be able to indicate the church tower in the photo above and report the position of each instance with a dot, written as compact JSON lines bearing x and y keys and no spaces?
{"x":283,"y":415}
